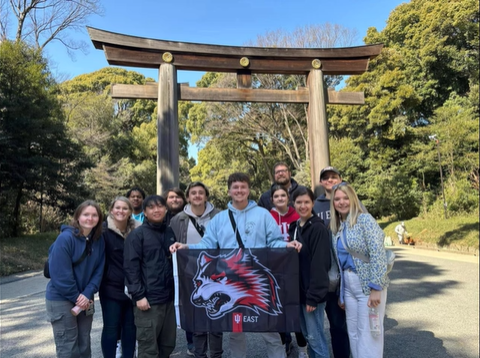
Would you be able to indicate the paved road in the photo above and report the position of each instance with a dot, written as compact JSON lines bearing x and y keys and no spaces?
{"x":432,"y":311}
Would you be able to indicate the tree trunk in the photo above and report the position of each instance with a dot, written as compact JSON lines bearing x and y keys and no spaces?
{"x":16,"y":211}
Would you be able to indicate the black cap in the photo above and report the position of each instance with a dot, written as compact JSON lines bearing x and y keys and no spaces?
{"x":329,"y":169}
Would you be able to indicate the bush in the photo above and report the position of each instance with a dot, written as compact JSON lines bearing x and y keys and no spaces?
{"x":460,"y":196}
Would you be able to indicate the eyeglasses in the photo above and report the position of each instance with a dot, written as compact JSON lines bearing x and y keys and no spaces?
{"x":343,"y":183}
{"x":281,"y":171}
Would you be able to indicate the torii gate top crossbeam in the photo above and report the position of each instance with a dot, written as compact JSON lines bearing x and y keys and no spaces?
{"x":125,"y":50}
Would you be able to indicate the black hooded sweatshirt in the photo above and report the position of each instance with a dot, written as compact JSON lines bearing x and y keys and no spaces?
{"x":314,"y":258}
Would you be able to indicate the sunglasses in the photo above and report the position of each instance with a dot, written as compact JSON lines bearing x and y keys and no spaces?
{"x":343,"y":183}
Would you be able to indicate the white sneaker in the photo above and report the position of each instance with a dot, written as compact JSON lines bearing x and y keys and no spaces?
{"x":190,"y":352}
{"x":302,"y":355}
{"x":118,"y":354}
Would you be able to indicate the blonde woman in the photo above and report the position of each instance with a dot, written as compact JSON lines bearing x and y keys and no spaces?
{"x":358,"y":247}
{"x":117,"y":308}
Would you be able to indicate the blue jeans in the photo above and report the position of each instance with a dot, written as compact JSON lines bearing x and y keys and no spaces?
{"x":118,"y":317}
{"x":313,"y":330}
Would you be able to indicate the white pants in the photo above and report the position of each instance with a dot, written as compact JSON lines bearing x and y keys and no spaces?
{"x":362,"y":343}
{"x":273,"y":342}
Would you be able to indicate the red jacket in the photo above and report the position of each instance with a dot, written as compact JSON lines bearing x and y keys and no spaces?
{"x":284,"y":221}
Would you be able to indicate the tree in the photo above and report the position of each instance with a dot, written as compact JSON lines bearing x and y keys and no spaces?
{"x":39,"y":22}
{"x":424,"y":82}
{"x":267,"y":132}
{"x":119,"y":136}
{"x":39,"y":162}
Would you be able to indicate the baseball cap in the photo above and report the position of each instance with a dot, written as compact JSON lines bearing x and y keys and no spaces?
{"x":329,"y":169}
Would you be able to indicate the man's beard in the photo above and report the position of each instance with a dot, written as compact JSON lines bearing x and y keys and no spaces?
{"x":175,"y":210}
{"x":283,"y":181}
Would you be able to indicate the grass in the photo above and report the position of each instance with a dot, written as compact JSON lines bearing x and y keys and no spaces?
{"x":19,"y":254}
{"x":459,"y":233}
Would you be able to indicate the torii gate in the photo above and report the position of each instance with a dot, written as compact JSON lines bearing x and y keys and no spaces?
{"x":168,"y":56}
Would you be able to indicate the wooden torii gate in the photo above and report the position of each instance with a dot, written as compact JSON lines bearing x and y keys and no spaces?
{"x":169,"y":56}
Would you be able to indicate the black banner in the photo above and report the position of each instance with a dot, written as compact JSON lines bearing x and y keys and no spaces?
{"x":237,"y":290}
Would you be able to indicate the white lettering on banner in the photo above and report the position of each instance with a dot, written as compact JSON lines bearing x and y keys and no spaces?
{"x":250,"y":319}
{"x":237,"y":318}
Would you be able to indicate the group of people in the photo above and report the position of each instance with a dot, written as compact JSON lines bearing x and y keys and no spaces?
{"x":127,"y":259}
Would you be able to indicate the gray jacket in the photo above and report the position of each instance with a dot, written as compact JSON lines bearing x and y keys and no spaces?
{"x":180,"y":222}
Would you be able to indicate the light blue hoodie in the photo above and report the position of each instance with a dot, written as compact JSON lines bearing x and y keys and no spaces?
{"x":256,"y":227}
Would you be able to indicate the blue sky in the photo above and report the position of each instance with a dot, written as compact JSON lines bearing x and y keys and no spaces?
{"x":225,"y":22}
{"x":214,"y":22}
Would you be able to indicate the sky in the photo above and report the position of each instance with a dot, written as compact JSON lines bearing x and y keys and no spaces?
{"x":220,"y":22}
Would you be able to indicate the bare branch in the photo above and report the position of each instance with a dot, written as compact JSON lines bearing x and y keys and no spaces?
{"x":39,"y":22}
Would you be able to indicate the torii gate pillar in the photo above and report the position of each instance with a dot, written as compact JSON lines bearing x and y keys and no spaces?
{"x":317,"y":125}
{"x":167,"y":129}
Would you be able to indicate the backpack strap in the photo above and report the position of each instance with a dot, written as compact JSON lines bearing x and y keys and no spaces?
{"x":200,"y":229}
{"x":234,"y":226}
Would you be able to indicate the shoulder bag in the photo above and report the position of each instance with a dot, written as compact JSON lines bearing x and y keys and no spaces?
{"x":390,"y":254}
{"x":46,"y":267}
{"x":333,"y":272}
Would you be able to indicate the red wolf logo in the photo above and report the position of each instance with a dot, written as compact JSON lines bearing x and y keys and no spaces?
{"x":226,"y":282}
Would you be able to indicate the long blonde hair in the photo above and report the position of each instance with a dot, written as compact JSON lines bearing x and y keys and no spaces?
{"x":355,"y":207}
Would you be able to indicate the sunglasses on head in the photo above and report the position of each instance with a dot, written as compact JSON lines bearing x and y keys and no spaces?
{"x":343,"y":183}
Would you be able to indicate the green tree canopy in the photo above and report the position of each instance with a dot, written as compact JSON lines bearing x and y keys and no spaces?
{"x":39,"y":162}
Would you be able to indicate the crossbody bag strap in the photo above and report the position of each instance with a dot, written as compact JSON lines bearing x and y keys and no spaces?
{"x":200,"y":230}
{"x":234,"y":226}
{"x":84,"y":255}
{"x":358,"y":255}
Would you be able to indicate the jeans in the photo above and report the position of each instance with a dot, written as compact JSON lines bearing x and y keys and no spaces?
{"x":313,"y":330}
{"x":362,"y":343}
{"x":71,"y":333}
{"x":338,"y":327}
{"x":238,"y":347}
{"x":118,"y":317}
{"x":156,"y":330}
{"x":203,"y":340}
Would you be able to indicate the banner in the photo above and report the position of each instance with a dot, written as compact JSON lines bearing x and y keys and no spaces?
{"x":237,"y":290}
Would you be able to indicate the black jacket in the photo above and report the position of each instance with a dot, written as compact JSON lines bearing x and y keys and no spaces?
{"x":265,"y":200}
{"x":113,"y":280}
{"x":148,"y":263}
{"x":314,"y":258}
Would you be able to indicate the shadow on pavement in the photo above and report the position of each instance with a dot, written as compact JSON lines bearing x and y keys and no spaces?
{"x":412,"y":343}
{"x":415,"y":276}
